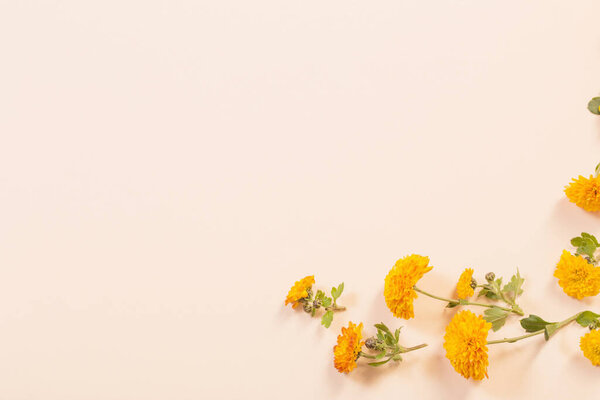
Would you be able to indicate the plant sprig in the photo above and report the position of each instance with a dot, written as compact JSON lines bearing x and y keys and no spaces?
{"x":586,"y":245}
{"x":387,"y":346}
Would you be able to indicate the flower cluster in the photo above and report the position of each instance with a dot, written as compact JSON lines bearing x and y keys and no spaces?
{"x":301,"y":293}
{"x":466,"y":336}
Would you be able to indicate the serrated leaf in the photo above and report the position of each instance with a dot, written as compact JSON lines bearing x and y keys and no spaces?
{"x":533,"y":323}
{"x":320,"y":294}
{"x":327,"y":318}
{"x":377,"y":364}
{"x":492,"y":296}
{"x":587,"y":317}
{"x":594,"y":105}
{"x":340,"y":290}
{"x":513,"y":288}
{"x":327,"y":301}
{"x":496,"y":317}
{"x":550,"y":330}
{"x":591,"y":237}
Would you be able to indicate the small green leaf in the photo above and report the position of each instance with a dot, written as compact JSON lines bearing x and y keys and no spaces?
{"x":586,"y":244}
{"x":594,"y":105}
{"x":380,"y":355}
{"x":397,"y":334}
{"x":587,"y":317}
{"x":452,"y":304}
{"x":533,"y":323}
{"x":380,"y":336}
{"x":320,"y":294}
{"x":513,"y":288}
{"x":496,"y":317}
{"x":327,"y":301}
{"x":377,"y":364}
{"x":389,"y":339}
{"x":327,"y":318}
{"x":381,"y":326}
{"x":492,"y":296}
{"x":397,"y":357}
{"x":337,"y":292}
{"x":550,"y":330}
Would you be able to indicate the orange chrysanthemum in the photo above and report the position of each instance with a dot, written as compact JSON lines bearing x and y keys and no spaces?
{"x":463,"y":287}
{"x":349,"y":344}
{"x":398,"y":291}
{"x":465,"y":343}
{"x":577,"y":277}
{"x":590,"y":345}
{"x":299,"y":290}
{"x":585,"y":192}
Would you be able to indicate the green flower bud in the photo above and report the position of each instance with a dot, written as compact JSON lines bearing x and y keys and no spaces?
{"x":490,"y":276}
{"x":473,"y":283}
{"x":308,"y":307}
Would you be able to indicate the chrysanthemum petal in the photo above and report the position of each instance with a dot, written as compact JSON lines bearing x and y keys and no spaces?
{"x":349,"y":344}
{"x":463,"y":287}
{"x":299,"y":290}
{"x":585,"y":192}
{"x":590,"y":346}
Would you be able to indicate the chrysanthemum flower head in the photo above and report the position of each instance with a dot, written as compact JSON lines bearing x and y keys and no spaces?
{"x":465,"y":343}
{"x":349,"y":344}
{"x":590,"y":346}
{"x":398,"y":291}
{"x":576,"y":276}
{"x":585,"y":192}
{"x":463,"y":287}
{"x":299,"y":290}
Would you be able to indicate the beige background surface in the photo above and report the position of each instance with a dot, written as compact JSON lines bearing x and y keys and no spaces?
{"x":169,"y":168}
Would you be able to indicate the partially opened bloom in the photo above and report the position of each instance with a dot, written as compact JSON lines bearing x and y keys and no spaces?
{"x":576,"y":276}
{"x":398,"y":291}
{"x":464,"y":287}
{"x":465,"y":343}
{"x":347,"y":349}
{"x":585,"y":192}
{"x":299,"y":291}
{"x":590,"y":345}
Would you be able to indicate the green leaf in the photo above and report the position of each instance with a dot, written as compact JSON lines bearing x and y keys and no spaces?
{"x":397,"y":357}
{"x":533,"y":323}
{"x":586,"y":244}
{"x":496,"y":317}
{"x":513,"y":288}
{"x":327,"y":301}
{"x":591,"y":237}
{"x":336,"y":293}
{"x":587,"y":317}
{"x":397,"y":334}
{"x":593,"y":105}
{"x":452,"y":304}
{"x":320,"y":294}
{"x":550,"y":330}
{"x":492,"y":296}
{"x":327,"y":318}
{"x":377,"y":364}
{"x":389,"y":339}
{"x":381,"y":326}
{"x":380,"y":336}
{"x":380,"y":355}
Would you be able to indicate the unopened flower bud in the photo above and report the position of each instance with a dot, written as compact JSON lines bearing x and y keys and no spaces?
{"x":490,"y":276}
{"x":308,"y":307}
{"x":317,"y":303}
{"x":371,"y":343}
{"x":473,"y":283}
{"x":310,"y":292}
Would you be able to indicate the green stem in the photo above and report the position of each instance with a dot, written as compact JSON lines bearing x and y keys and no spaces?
{"x":407,"y":349}
{"x":365,"y":355}
{"x":466,"y":302}
{"x":335,"y":307}
{"x":517,"y":338}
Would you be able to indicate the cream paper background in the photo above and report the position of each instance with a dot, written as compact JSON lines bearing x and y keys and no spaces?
{"x":169,"y":168}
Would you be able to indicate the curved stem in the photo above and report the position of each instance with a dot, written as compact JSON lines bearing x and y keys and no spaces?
{"x":517,"y":338}
{"x":365,"y":355}
{"x":466,"y":302}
